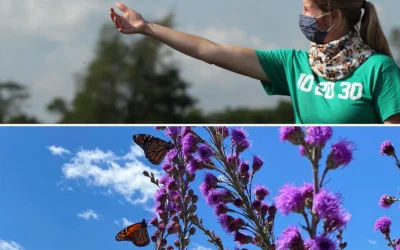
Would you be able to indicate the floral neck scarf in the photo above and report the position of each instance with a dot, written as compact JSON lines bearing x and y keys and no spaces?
{"x":338,"y":59}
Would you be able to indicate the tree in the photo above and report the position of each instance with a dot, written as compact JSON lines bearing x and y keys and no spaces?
{"x":127,"y":82}
{"x":282,"y":113}
{"x":12,"y":97}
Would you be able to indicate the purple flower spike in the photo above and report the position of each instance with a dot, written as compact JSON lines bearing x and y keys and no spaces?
{"x":290,"y":239}
{"x":257,"y":163}
{"x":292,"y":134}
{"x":383,"y":224}
{"x":289,"y":200}
{"x":238,"y":135}
{"x":387,"y":148}
{"x":341,"y":154}
{"x":318,"y":136}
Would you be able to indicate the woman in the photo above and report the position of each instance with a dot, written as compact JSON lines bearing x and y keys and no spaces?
{"x":348,"y":76}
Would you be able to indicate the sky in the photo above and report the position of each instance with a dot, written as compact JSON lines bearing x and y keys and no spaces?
{"x":48,"y":42}
{"x":75,"y":187}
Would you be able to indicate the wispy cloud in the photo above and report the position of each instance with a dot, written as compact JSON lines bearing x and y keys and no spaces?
{"x":372,"y":242}
{"x":121,"y":174}
{"x":124,"y":221}
{"x":10,"y":245}
{"x":199,"y":247}
{"x":59,"y":151}
{"x":88,"y":214}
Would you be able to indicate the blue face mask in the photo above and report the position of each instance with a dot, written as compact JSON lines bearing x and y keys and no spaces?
{"x":309,"y":27}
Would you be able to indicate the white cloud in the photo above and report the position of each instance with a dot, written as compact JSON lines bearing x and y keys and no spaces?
{"x":372,"y":242}
{"x":199,"y":247}
{"x":10,"y":245}
{"x":121,"y":174}
{"x":88,"y":214}
{"x":124,"y":222}
{"x":44,"y":18}
{"x":58,"y":150}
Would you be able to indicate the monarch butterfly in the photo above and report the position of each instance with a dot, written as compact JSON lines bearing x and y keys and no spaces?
{"x":154,"y":148}
{"x":136,"y":233}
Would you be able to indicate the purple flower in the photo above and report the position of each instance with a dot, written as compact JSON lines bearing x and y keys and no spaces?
{"x":172,"y":132}
{"x":264,"y":208}
{"x":336,"y":221}
{"x":165,"y":180}
{"x":328,"y":206}
{"x":242,"y":146}
{"x":189,"y":144}
{"x":160,"y":195}
{"x":241,"y":238}
{"x":307,"y":191}
{"x":233,"y":159}
{"x":210,"y":182}
{"x":192,"y":166}
{"x":223,"y":131}
{"x":290,"y":239}
{"x":318,"y":135}
{"x":244,"y":167}
{"x":205,"y":152}
{"x":386,"y":201}
{"x":261,"y":192}
{"x":289,"y":200}
{"x":172,"y":155}
{"x":238,"y":135}
{"x":387,"y":148}
{"x":341,"y":154}
{"x":167,"y":167}
{"x":220,"y":208}
{"x":292,"y":134}
{"x":256,"y":205}
{"x":174,"y":195}
{"x":185,"y":131}
{"x":320,"y":243}
{"x":257,"y":163}
{"x":214,"y":197}
{"x":226,"y":221}
{"x":383,"y":224}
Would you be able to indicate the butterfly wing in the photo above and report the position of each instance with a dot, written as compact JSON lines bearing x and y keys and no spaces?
{"x":136,"y":233}
{"x":154,"y":148}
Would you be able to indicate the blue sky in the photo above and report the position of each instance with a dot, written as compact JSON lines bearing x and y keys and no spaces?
{"x":51,"y":42}
{"x":57,"y":199}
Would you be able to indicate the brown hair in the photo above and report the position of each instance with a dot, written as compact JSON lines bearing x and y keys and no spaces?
{"x":370,"y":30}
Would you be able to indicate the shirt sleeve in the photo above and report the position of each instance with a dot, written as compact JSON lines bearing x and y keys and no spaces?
{"x":275,"y":64}
{"x":388,"y":92}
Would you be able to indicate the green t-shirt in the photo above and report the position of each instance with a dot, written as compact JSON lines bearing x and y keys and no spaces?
{"x":371,"y":94}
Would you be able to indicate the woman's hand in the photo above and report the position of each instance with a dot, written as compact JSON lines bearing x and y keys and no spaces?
{"x":130,"y":22}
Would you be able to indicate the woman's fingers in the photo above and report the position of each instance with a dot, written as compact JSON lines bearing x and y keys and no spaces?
{"x":122,"y":7}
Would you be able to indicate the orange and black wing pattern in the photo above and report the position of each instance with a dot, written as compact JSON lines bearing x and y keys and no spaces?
{"x":136,"y":233}
{"x":155,"y":149}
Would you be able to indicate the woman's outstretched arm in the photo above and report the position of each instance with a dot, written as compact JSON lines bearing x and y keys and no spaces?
{"x":237,"y":59}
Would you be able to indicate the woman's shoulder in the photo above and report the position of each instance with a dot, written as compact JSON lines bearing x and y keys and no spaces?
{"x":381,"y":61}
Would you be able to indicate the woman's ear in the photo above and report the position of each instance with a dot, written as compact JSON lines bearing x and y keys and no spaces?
{"x":337,"y":18}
